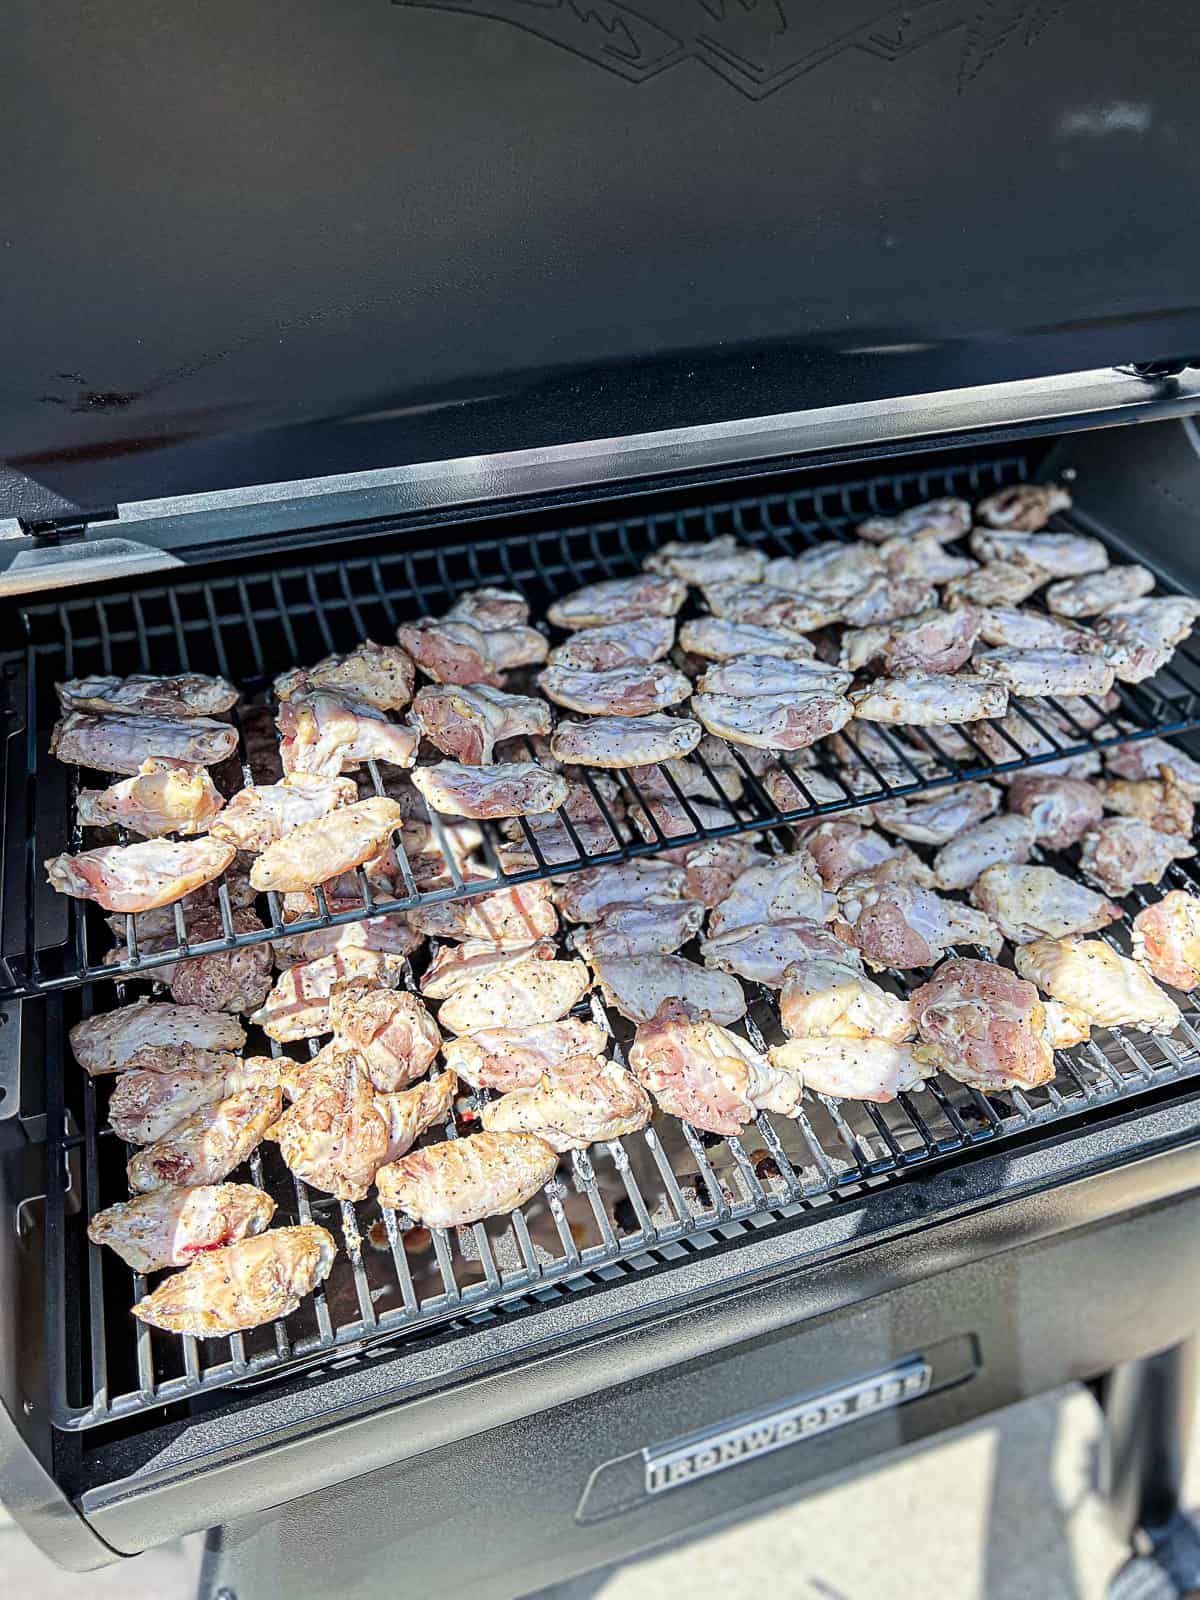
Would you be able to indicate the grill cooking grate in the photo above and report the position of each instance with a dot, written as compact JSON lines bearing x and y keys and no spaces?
{"x":619,"y":1207}
{"x":251,"y":627}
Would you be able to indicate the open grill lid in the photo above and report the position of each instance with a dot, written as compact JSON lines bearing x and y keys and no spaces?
{"x":244,"y":245}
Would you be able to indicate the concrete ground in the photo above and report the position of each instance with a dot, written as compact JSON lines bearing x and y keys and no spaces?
{"x":1005,"y":1510}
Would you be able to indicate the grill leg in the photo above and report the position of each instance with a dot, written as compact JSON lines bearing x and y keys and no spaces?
{"x":1148,"y":1408}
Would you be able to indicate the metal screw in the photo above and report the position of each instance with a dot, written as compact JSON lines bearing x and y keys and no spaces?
{"x":27,"y":1407}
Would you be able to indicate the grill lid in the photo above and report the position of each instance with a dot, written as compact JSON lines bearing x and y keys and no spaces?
{"x":249,"y":247}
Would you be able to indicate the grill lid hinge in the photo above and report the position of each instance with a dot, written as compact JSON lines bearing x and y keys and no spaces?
{"x":66,"y":529}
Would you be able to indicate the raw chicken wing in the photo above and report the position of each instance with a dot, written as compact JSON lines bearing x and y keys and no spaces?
{"x":454,"y":650}
{"x":379,"y":675}
{"x":901,"y":925}
{"x":624,"y":741}
{"x":708,"y":561}
{"x":1163,"y":802}
{"x":788,"y":721}
{"x":188,"y":694}
{"x":997,"y":840}
{"x":223,"y":980}
{"x":516,"y":1058}
{"x":1139,"y":638}
{"x":1036,"y":903}
{"x":618,"y":600}
{"x":507,"y":917}
{"x":1018,"y":629}
{"x":314,"y":852}
{"x":1166,"y":940}
{"x":138,"y":877}
{"x":298,"y":1006}
{"x":391,"y":935}
{"x":716,"y":639}
{"x":619,"y":644}
{"x":711,"y":868}
{"x":464,"y":722}
{"x":326,"y":734}
{"x":930,"y":641}
{"x":763,"y":951}
{"x":774,"y":890}
{"x":164,"y":797}
{"x":333,"y":1138}
{"x":1089,"y":976}
{"x":941,"y":817}
{"x":844,"y":1069}
{"x":453,"y":966}
{"x":209,"y":1144}
{"x":707,"y":1076}
{"x":1025,"y":507}
{"x":1027,"y":671}
{"x":624,"y":692}
{"x":986,"y":1025}
{"x":840,"y":849}
{"x":761,"y":675}
{"x":1061,"y":809}
{"x":1099,"y":593}
{"x":146,"y":1105}
{"x":768,"y":607}
{"x":512,"y":789}
{"x":390,"y":1030}
{"x":1146,"y":758}
{"x":1053,"y":555}
{"x":996,"y":583}
{"x":888,"y":597}
{"x":581,"y":1102}
{"x":170,"y":1227}
{"x":924,"y":558}
{"x":260,"y":814}
{"x":585,"y":896}
{"x":946,"y":519}
{"x":637,"y":986}
{"x":529,"y":991}
{"x":831,"y":571}
{"x":1122,"y":851}
{"x":108,"y":1041}
{"x":644,"y":928}
{"x":243,"y":1285}
{"x":826,"y":999}
{"x":930,"y":698}
{"x":462,"y":1181}
{"x":123,"y":743}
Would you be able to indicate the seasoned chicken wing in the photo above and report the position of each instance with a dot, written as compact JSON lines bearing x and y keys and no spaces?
{"x":773,"y":675}
{"x":390,"y":1030}
{"x":187,"y":694}
{"x":652,"y":926}
{"x":108,"y":1041}
{"x":409,"y":1113}
{"x":1065,"y":1027}
{"x":171,"y":1227}
{"x":529,"y":991}
{"x":1056,"y":555}
{"x":581,"y":1102}
{"x":930,"y":698}
{"x":618,"y":600}
{"x":1139,"y":638}
{"x":776,"y":889}
{"x":986,"y":1025}
{"x":1122,"y":851}
{"x":455,"y":650}
{"x":585,"y":896}
{"x":1025,"y":507}
{"x":765,"y":606}
{"x":851,"y":1069}
{"x":624,"y":692}
{"x":624,"y":741}
{"x":243,"y":1285}
{"x":637,"y":986}
{"x":510,"y":789}
{"x":1166,"y":940}
{"x":711,"y":868}
{"x":209,"y":1144}
{"x":298,"y":1006}
{"x":787,"y":721}
{"x":618,"y":644}
{"x":925,"y":558}
{"x":325,"y":733}
{"x":1037,"y":903}
{"x":998,"y":839}
{"x":834,"y":999}
{"x":901,"y":925}
{"x":1019,"y":630}
{"x":888,"y":597}
{"x":391,"y":935}
{"x":1089,"y":976}
{"x":1100,"y":592}
{"x":313,"y":852}
{"x":492,"y":608}
{"x":1163,"y":802}
{"x":721,"y":560}
{"x":842,"y":848}
{"x":1031,"y":671}
{"x":464,"y":722}
{"x":138,"y":877}
{"x":462,"y":1181}
{"x":332,"y":1137}
{"x":930,"y":641}
{"x":1061,"y":809}
{"x":831,"y":571}
{"x":223,"y":980}
{"x":996,"y":583}
{"x":453,"y":966}
{"x":123,"y":743}
{"x":941,"y":817}
{"x":707,"y":1076}
{"x":379,"y":675}
{"x":946,"y":519}
{"x":716,"y":639}
{"x":146,"y":1105}
{"x":1146,"y":758}
{"x":260,"y":814}
{"x":762,"y":952}
{"x":516,"y":1058}
{"x":507,"y":917}
{"x":164,"y":797}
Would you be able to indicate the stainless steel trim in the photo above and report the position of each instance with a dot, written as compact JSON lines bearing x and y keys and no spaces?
{"x":34,"y":569}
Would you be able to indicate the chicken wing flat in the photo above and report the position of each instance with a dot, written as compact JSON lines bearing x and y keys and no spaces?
{"x":390,"y":1030}
{"x":1056,"y":555}
{"x":1017,"y":629}
{"x":1065,"y":1027}
{"x":188,"y":694}
{"x":930,"y":641}
{"x":624,"y":741}
{"x":996,"y":583}
{"x":122,"y":743}
{"x":991,"y":843}
{"x":774,"y":890}
{"x":171,"y":1227}
{"x":721,"y":560}
{"x":208,"y":1145}
{"x":313,"y":852}
{"x":410,"y":1112}
{"x":624,"y":692}
{"x":1038,"y":903}
{"x":465,"y":721}
{"x":616,"y":645}
{"x":1089,"y":976}
{"x":223,"y":980}
{"x":716,"y":639}
{"x":762,"y":952}
{"x":840,"y":849}
{"x":529,"y":991}
{"x":452,"y":966}
{"x":765,"y":606}
{"x":832,"y":571}
{"x":379,"y":675}
{"x":851,"y":1069}
{"x":1062,"y":810}
{"x":765,"y":675}
{"x":1122,"y":851}
{"x":574,"y":1105}
{"x":146,"y":1105}
{"x":491,"y":608}
{"x":618,"y":600}
{"x":886,"y":598}
{"x":924,"y":698}
{"x":456,"y":651}
{"x":1166,"y":940}
{"x":164,"y":797}
{"x":1139,"y":638}
{"x":1025,"y":507}
{"x":261,"y":814}
{"x":987,"y":1026}
{"x":712,"y":867}
{"x":637,"y":986}
{"x":298,"y":1006}
{"x":826,"y":999}
{"x":333,"y":1137}
{"x":511,"y":789}
{"x":1163,"y":802}
{"x":1034,"y":671}
{"x":788,"y":721}
{"x":903,"y":926}
{"x":1146,"y":758}
{"x":138,"y":877}
{"x":107,"y":1042}
{"x":940,"y":818}
{"x":924,"y":558}
{"x":708,"y":1077}
{"x":508,"y":917}
{"x":242,"y":1286}
{"x":1100,"y":592}
{"x":389,"y":935}
{"x":652,"y":926}
{"x":326,"y":733}
{"x":461,"y":1181}
{"x":946,"y":519}
{"x":516,"y":1058}
{"x":585,"y":896}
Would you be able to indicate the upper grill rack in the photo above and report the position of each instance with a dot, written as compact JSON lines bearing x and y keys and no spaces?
{"x":251,"y":626}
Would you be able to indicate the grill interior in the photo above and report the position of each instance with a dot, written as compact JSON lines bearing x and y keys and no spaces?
{"x":620,"y":1207}
{"x":250,"y":627}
